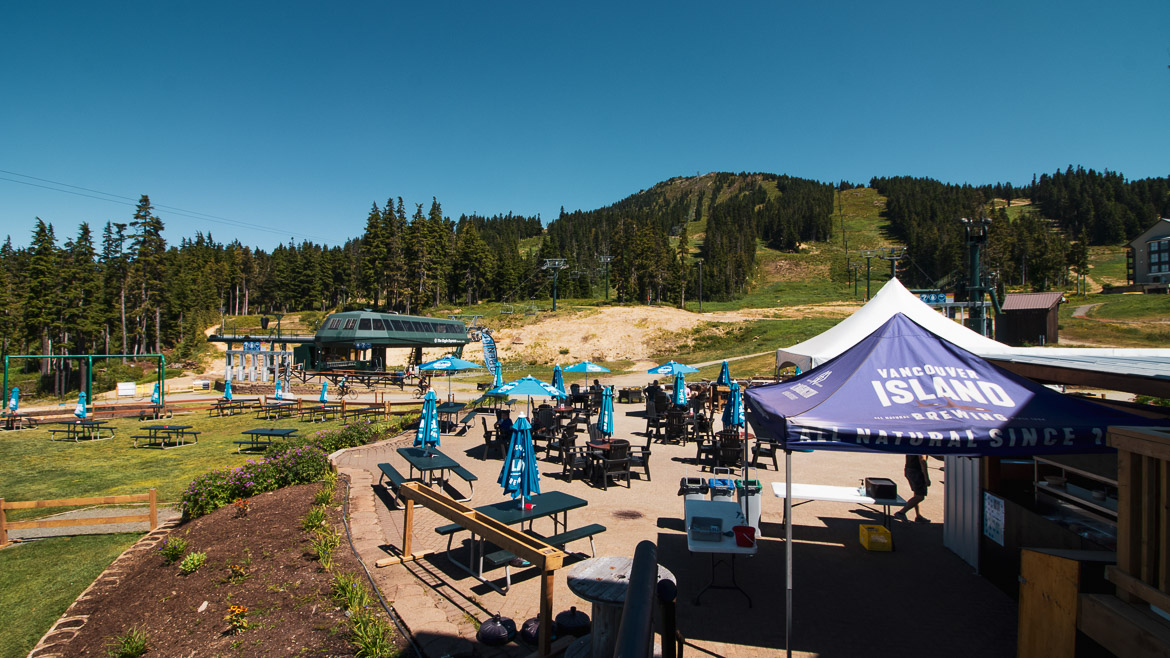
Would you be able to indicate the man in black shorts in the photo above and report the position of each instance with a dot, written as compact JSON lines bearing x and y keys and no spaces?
{"x":919,"y":479}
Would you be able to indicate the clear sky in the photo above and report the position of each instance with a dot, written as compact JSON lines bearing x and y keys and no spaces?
{"x":288,"y":119}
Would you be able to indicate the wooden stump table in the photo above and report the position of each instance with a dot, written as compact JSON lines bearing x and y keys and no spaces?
{"x":603,"y":581}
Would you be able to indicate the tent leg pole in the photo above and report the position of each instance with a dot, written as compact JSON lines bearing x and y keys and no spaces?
{"x":788,"y":552}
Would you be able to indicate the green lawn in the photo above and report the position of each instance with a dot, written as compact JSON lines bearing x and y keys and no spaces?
{"x":1120,"y":320}
{"x":40,"y":579}
{"x":32,"y":467}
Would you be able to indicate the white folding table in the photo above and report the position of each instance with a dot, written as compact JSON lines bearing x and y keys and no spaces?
{"x":828,"y":493}
{"x":729,"y":515}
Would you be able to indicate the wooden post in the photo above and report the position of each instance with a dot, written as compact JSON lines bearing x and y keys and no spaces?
{"x":546,"y":612}
{"x":3,"y":525}
{"x":407,"y":526}
{"x":153,"y":508}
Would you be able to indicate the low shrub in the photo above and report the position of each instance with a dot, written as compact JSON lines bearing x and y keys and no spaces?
{"x":131,"y":645}
{"x":222,"y":486}
{"x":192,"y":562}
{"x":172,"y":548}
{"x":329,"y":441}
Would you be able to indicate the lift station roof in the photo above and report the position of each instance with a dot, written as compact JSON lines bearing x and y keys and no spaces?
{"x":389,"y":330}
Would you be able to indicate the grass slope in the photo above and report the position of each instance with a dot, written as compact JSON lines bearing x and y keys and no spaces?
{"x":40,"y":579}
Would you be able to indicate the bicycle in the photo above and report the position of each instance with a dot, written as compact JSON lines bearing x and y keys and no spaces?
{"x":344,"y":390}
{"x":424,"y":385}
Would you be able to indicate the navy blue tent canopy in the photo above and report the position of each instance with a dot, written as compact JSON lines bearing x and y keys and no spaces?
{"x":904,"y":389}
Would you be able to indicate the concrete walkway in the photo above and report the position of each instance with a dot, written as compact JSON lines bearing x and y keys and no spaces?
{"x":920,"y":600}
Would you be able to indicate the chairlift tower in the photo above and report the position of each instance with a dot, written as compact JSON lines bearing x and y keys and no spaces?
{"x":976,"y":232}
{"x":867,"y":254}
{"x":606,"y":260}
{"x":892,"y":254}
{"x":556,"y":265}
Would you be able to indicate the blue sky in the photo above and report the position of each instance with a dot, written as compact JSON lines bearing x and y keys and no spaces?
{"x":265,"y":121}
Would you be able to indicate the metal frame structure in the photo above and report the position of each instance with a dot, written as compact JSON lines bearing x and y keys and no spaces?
{"x":162,"y":369}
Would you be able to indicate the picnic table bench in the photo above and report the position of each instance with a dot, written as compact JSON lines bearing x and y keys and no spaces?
{"x":159,"y":435}
{"x":18,"y":421}
{"x":373,"y":412}
{"x":90,"y":430}
{"x":320,"y":412}
{"x":225,"y":407}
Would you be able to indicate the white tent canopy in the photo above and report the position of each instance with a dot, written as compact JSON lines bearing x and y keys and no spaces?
{"x":891,"y":299}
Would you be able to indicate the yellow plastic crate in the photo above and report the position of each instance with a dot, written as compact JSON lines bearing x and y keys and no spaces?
{"x":876,"y":538}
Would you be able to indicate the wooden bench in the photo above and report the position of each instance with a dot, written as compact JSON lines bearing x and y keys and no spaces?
{"x":375,"y":412}
{"x":393,"y":481}
{"x":504,"y":557}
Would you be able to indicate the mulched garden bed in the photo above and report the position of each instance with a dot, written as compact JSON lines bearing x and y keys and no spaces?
{"x":291,"y":611}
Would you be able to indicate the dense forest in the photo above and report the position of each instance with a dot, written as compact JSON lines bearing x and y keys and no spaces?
{"x":1036,"y":246}
{"x":125,"y":290}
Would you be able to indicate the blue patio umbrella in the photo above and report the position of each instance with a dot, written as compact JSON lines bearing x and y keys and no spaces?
{"x":733,"y":411}
{"x":559,"y":381}
{"x":227,"y":390}
{"x":80,"y":410}
{"x":520,"y":477}
{"x":427,"y":435}
{"x":279,"y":391}
{"x":680,"y":390}
{"x":14,"y":401}
{"x":324,"y":388}
{"x":724,"y":378}
{"x":499,"y":380}
{"x":586,"y":367}
{"x":526,"y":386}
{"x":154,"y":394}
{"x":605,"y":418}
{"x":671,"y":368}
{"x":448,"y":364}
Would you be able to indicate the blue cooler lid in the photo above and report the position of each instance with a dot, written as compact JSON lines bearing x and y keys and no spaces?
{"x":721,"y":483}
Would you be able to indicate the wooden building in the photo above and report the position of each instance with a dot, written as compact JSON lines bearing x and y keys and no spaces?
{"x":1030,"y":318}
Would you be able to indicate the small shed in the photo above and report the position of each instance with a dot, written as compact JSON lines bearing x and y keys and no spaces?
{"x":1029,"y":318}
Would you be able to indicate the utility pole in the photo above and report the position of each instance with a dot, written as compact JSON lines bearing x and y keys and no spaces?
{"x":855,"y":267}
{"x":606,"y":260}
{"x":556,"y":265}
{"x":868,"y":254}
{"x":700,"y":285}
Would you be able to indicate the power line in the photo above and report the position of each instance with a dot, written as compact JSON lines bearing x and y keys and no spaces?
{"x":132,"y":202}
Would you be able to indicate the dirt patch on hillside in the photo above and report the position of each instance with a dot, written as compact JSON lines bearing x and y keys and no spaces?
{"x":787,"y":270}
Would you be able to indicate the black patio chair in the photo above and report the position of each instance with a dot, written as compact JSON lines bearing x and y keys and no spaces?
{"x":613,"y":464}
{"x":491,"y":439}
{"x":729,"y":451}
{"x":654,"y":422}
{"x":640,"y":457}
{"x":575,"y":459}
{"x":676,"y":427}
{"x":764,"y":448}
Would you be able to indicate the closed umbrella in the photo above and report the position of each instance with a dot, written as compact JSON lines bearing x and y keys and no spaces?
{"x":733,"y":411}
{"x":80,"y":410}
{"x":605,"y":418}
{"x":520,"y":477}
{"x":279,"y":391}
{"x":671,"y":368}
{"x":154,"y":394}
{"x":227,"y":390}
{"x":427,"y":435}
{"x":680,"y":390}
{"x":559,"y":381}
{"x":724,"y":378}
{"x":14,"y":401}
{"x":324,"y":388}
{"x":448,"y":364}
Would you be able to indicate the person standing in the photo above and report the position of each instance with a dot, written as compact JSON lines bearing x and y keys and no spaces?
{"x":919,"y":477}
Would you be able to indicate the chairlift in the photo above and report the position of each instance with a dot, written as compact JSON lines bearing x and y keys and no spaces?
{"x":508,"y":309}
{"x":530,"y":309}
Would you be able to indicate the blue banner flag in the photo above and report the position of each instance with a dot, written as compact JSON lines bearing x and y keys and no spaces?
{"x":491,"y":359}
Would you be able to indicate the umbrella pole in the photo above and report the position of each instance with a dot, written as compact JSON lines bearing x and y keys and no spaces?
{"x":788,"y":552}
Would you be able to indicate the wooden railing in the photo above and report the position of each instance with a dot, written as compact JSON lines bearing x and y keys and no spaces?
{"x":150,"y":517}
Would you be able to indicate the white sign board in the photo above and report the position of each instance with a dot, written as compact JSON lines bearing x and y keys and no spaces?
{"x":127,"y":389}
{"x":993,"y":518}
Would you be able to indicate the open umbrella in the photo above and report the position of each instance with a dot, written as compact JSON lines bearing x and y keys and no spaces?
{"x":227,"y":390}
{"x":586,"y":367}
{"x":724,"y":378}
{"x":14,"y":401}
{"x":671,"y":368}
{"x":427,"y":435}
{"x":526,"y":386}
{"x":80,"y":410}
{"x":559,"y":381}
{"x":279,"y":391}
{"x":680,"y":390}
{"x":324,"y":388}
{"x":520,"y":477}
{"x":154,"y":394}
{"x":605,"y":418}
{"x":448,"y":364}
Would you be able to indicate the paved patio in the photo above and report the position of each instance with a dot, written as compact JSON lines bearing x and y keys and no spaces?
{"x":920,"y":600}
